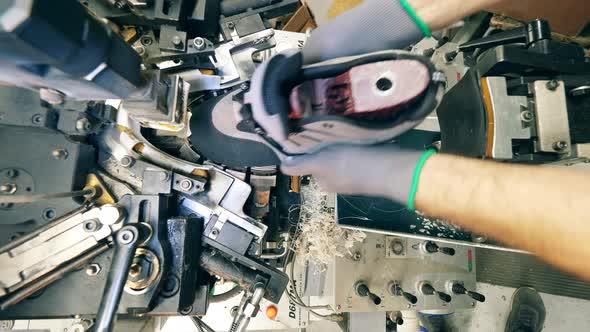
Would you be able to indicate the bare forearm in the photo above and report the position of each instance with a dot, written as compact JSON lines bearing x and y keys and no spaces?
{"x":539,"y":209}
{"x":440,"y":14}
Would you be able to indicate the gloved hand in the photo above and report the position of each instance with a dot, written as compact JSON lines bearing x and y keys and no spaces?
{"x":372,"y":26}
{"x":384,"y":170}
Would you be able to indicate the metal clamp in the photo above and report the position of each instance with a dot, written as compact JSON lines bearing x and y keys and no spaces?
{"x":37,"y":254}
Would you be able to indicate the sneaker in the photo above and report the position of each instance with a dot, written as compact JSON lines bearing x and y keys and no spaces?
{"x":527,"y":311}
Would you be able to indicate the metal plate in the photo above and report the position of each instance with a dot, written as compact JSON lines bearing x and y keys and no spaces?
{"x":377,"y":270}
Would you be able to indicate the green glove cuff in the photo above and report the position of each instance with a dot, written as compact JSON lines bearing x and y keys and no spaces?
{"x":421,"y":24}
{"x":416,"y":178}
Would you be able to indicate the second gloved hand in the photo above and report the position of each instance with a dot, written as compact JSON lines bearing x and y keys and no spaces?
{"x":384,"y":170}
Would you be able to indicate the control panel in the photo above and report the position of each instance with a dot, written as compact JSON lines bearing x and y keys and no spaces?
{"x":386,"y":273}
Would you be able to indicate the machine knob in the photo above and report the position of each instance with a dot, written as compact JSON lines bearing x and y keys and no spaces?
{"x":396,"y":290}
{"x":458,"y":288}
{"x":432,"y":248}
{"x":427,"y":289}
{"x":363,"y":290}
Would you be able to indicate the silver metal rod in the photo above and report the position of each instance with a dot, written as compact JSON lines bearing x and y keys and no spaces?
{"x":125,"y":244}
{"x":41,"y":197}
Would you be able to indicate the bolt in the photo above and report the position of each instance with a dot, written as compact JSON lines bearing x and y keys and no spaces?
{"x":186,"y":185}
{"x":408,"y":306}
{"x":59,"y":154}
{"x":214,"y":232}
{"x":187,"y":310}
{"x":338,"y":307}
{"x":552,"y":85}
{"x":83,"y":125}
{"x":560,"y":145}
{"x":135,"y":270}
{"x":91,"y":225}
{"x":51,"y":96}
{"x":146,"y":41}
{"x":231,"y":25}
{"x":473,"y":304}
{"x":244,"y":86}
{"x":11,"y":173}
{"x":37,"y":119}
{"x":177,"y":41}
{"x":140,"y":50}
{"x":48,"y":214}
{"x":92,"y":269}
{"x":199,"y":43}
{"x":8,"y":188}
{"x":126,"y":161}
{"x":526,"y":116}
{"x":126,"y":236}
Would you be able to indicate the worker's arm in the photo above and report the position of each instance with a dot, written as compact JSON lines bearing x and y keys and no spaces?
{"x":375,"y":25}
{"x":440,"y":14}
{"x":540,"y":209}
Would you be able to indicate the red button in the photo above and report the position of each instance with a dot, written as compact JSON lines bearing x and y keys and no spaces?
{"x":271,"y":312}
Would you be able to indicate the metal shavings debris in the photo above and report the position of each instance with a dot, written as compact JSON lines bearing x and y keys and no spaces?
{"x":441,"y":228}
{"x":319,"y":238}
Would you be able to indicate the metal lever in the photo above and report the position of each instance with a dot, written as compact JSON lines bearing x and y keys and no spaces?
{"x":363,"y":290}
{"x":427,"y":289}
{"x":432,"y":247}
{"x":125,"y":244}
{"x":458,"y":288}
{"x":396,"y":290}
{"x":532,"y":32}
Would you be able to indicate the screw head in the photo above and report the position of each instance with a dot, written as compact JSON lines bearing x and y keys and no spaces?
{"x":338,"y":307}
{"x":552,"y":85}
{"x":146,"y":41}
{"x":92,"y":269}
{"x":91,"y":225}
{"x":59,"y":154}
{"x":83,"y":125}
{"x":135,"y":270}
{"x":186,"y":185}
{"x":560,"y":145}
{"x":199,"y":43}
{"x":234,"y":311}
{"x":526,"y":116}
{"x":214,"y":232}
{"x":126,"y":236}
{"x":126,"y":161}
{"x":231,"y":25}
{"x":37,"y":119}
{"x":177,"y":41}
{"x":140,"y":50}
